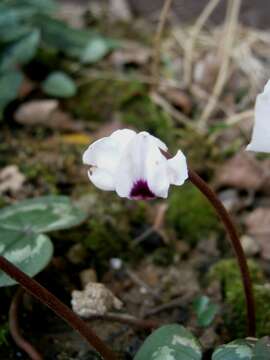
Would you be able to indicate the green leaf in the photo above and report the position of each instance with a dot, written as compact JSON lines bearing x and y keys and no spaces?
{"x":170,"y":342}
{"x":10,"y":83}
{"x":262,"y":349}
{"x":95,"y":50}
{"x":59,"y":84}
{"x":42,"y":214}
{"x":21,"y":231}
{"x":205,"y":310}
{"x":31,"y":253}
{"x":43,"y":6}
{"x":84,"y":45}
{"x":235,"y":350}
{"x":58,"y":35}
{"x":20,"y":52}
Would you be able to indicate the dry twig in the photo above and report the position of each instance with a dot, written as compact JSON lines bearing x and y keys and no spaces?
{"x":210,"y":7}
{"x":157,"y":41}
{"x":225,"y":50}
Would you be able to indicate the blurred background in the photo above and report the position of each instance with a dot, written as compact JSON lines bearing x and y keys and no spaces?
{"x":74,"y":71}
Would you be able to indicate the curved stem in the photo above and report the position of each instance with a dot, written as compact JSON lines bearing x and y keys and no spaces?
{"x":48,"y":299}
{"x":15,"y":328}
{"x":236,"y":244}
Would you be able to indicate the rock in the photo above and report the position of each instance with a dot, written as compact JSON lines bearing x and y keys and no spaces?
{"x":76,"y":254}
{"x":258,"y":226}
{"x":45,"y":113}
{"x":250,"y":245}
{"x":87,"y":276}
{"x":11,"y":179}
{"x":95,"y":299}
{"x":116,"y":263}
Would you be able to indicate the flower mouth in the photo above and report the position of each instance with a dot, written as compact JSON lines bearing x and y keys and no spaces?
{"x":141,"y":191}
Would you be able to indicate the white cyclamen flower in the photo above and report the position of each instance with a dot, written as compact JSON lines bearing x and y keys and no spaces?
{"x":133,"y":165}
{"x":260,"y":140}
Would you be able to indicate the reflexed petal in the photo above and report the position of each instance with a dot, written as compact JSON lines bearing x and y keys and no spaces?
{"x":178,"y":171}
{"x":102,"y":179}
{"x":261,"y":132}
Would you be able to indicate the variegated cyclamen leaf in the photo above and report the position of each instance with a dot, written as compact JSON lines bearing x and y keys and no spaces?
{"x":21,"y":231}
{"x":235,"y":350}
{"x":31,"y":254}
{"x":42,"y":214}
{"x":170,"y":342}
{"x":262,"y":349}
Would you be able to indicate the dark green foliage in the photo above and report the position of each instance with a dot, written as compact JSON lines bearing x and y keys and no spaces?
{"x":227,"y":272}
{"x":3,"y":334}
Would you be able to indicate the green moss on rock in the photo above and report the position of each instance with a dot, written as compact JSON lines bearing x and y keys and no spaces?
{"x":227,"y":273}
{"x":191,"y":214}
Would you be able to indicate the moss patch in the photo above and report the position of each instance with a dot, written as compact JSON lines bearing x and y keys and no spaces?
{"x":191,"y":214}
{"x":143,"y":114}
{"x":227,"y":273}
{"x":98,"y":99}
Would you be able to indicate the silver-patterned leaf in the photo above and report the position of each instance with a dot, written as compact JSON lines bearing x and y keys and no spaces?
{"x":30,"y":253}
{"x":21,"y":231}
{"x":170,"y":342}
{"x":235,"y":350}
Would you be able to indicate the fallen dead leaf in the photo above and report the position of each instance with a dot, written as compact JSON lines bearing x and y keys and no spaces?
{"x":258,"y":227}
{"x":46,"y":113}
{"x":242,"y":171}
{"x":131,"y":53}
{"x":76,"y":139}
{"x":179,"y":99}
{"x":120,"y":10}
{"x":11,"y":179}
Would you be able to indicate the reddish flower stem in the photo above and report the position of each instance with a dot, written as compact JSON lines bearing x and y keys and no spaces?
{"x":14,"y":328}
{"x":63,"y":311}
{"x":236,"y":244}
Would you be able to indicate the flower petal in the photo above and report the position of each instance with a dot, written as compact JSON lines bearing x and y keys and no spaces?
{"x":261,"y":132}
{"x":178,"y":171}
{"x":102,"y":179}
{"x":106,"y":152}
{"x":122,"y":137}
{"x":143,"y":163}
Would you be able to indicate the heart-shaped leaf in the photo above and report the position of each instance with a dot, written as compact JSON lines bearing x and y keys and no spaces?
{"x":235,"y":350}
{"x":21,"y":231}
{"x":170,"y":342}
{"x":59,"y":84}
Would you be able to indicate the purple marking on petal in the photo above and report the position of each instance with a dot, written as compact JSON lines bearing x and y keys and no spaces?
{"x":141,"y":191}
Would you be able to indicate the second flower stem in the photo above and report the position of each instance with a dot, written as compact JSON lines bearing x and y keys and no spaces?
{"x":236,"y":244}
{"x":48,"y":299}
